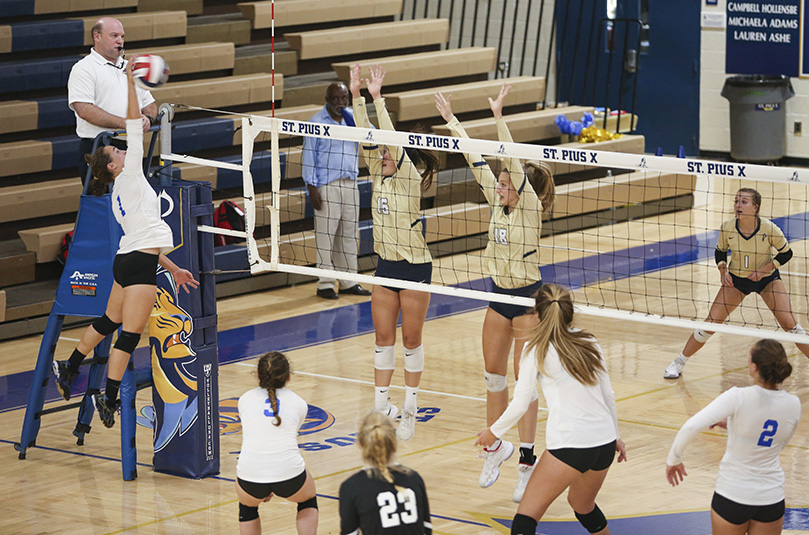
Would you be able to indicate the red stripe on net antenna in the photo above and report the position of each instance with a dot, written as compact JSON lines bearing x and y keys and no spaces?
{"x":272,"y":49}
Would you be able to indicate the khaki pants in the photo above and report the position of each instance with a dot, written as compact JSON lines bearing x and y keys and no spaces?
{"x":336,"y":230}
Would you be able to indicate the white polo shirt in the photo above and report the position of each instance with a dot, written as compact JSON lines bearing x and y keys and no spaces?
{"x":95,"y":80}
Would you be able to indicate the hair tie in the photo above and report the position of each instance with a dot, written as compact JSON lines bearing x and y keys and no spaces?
{"x":554,"y":301}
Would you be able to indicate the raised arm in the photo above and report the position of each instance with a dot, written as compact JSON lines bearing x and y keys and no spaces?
{"x":480,"y":168}
{"x":514,"y":166}
{"x":370,"y":150}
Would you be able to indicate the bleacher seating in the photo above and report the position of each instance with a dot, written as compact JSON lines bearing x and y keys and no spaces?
{"x":429,"y":66}
{"x":299,"y":12}
{"x":369,"y":38}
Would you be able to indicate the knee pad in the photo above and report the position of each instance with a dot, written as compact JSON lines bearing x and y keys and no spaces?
{"x":523,"y":525}
{"x":311,"y":502}
{"x":246,"y":514}
{"x":384,"y":357}
{"x":702,"y":336}
{"x":104,"y":325}
{"x":594,"y":521}
{"x":414,"y":359}
{"x":127,"y":341}
{"x":494,"y":382}
{"x":797,"y":329}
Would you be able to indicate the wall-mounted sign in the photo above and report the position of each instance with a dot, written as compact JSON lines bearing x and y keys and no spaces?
{"x":764,"y":37}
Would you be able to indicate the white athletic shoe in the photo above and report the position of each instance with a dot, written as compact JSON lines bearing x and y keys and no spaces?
{"x":523,"y":475}
{"x":407,"y":427}
{"x":491,"y":466}
{"x":391,"y":412}
{"x":674,"y":370}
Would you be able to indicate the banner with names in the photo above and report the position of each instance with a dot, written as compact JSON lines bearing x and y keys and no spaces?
{"x":765,"y":37}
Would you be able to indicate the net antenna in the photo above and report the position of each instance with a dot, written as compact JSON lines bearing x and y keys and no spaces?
{"x":598,"y":294}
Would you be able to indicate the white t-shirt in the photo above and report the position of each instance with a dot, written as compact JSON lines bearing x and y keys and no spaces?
{"x":135,"y":203}
{"x":579,"y":415}
{"x":270,"y":452}
{"x":760,"y":424}
{"x":95,"y":80}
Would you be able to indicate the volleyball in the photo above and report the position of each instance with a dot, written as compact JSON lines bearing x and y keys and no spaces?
{"x":150,"y":71}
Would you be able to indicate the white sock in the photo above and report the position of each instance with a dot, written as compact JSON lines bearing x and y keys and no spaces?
{"x":682,"y":359}
{"x":381,"y":397}
{"x":410,"y":398}
{"x":494,"y":446}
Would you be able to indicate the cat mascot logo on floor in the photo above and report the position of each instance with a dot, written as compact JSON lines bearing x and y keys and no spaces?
{"x":317,"y":419}
{"x":170,"y":329}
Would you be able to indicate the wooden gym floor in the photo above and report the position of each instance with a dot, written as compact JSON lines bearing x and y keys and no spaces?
{"x":65,"y":488}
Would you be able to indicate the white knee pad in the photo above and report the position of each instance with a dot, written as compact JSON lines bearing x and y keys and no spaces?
{"x":702,"y":336}
{"x":797,"y":329}
{"x":384,"y":357}
{"x":414,"y":359}
{"x":495,"y":382}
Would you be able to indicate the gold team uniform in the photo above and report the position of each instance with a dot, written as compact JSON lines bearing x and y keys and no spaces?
{"x":748,"y":253}
{"x":512,"y":254}
{"x":396,"y":201}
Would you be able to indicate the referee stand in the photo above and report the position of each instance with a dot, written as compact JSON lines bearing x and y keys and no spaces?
{"x":83,"y":290}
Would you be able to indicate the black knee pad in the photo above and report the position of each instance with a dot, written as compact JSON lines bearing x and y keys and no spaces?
{"x":594,"y":521}
{"x":246,"y":514}
{"x":311,"y":502}
{"x":104,"y":325}
{"x":127,"y":341}
{"x":523,"y":525}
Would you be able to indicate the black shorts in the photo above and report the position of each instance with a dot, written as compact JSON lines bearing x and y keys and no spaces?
{"x":284,"y":489}
{"x":582,"y":459}
{"x":746,"y":286}
{"x":135,"y":268}
{"x":404,"y":270}
{"x":512,"y":311}
{"x":738,"y":513}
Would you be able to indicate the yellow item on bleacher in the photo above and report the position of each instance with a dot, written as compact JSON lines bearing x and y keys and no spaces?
{"x":591,"y":134}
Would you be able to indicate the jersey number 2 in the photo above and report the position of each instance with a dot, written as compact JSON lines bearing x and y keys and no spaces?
{"x":268,"y":412}
{"x":388,"y":510}
{"x":770,"y":427}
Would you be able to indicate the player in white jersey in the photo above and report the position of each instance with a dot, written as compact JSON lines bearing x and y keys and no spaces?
{"x":146,"y":237}
{"x":512,"y":260}
{"x":758,"y":248}
{"x":269,"y":461}
{"x":402,"y":250}
{"x":761,"y":420}
{"x":384,"y":498}
{"x":581,"y":435}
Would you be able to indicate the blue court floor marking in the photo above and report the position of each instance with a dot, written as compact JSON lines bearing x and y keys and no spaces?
{"x":348,"y":321}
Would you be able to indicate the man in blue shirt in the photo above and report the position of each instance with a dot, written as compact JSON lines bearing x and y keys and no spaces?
{"x":330,"y":171}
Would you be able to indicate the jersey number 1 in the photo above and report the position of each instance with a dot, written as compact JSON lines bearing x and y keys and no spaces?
{"x":388,"y":510}
{"x":770,"y":427}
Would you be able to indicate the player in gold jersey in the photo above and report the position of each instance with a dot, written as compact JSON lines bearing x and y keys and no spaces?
{"x":752,"y":268}
{"x":402,"y":250}
{"x":517,"y":197}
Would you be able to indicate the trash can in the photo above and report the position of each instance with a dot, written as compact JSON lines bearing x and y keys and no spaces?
{"x":757,"y":116}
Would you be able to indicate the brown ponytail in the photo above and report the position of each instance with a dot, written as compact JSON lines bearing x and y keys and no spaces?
{"x":770,"y":358}
{"x":102,"y":176}
{"x":576,"y":349}
{"x":273,"y":373}
{"x":540,"y":176}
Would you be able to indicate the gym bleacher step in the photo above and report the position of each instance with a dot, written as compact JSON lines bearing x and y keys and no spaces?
{"x":258,"y":58}
{"x":228,"y":28}
{"x":16,"y":263}
{"x":305,"y":89}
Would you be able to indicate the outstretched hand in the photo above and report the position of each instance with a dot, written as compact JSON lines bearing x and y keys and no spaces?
{"x":374,"y":85}
{"x":442,"y":104}
{"x":183,"y":277}
{"x":675,"y":474}
{"x":355,"y":82}
{"x":497,"y":104}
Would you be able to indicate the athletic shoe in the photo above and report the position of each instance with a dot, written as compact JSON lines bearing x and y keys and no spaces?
{"x":491,"y":466}
{"x":407,"y":427}
{"x":674,"y":370}
{"x":105,"y":412}
{"x":64,"y":377}
{"x":391,"y":412}
{"x":523,"y":475}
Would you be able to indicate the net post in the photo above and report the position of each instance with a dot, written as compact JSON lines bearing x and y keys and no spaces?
{"x":275,"y":208}
{"x":248,"y":138}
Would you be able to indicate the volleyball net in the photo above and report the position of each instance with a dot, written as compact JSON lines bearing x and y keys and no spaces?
{"x":632,"y":234}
